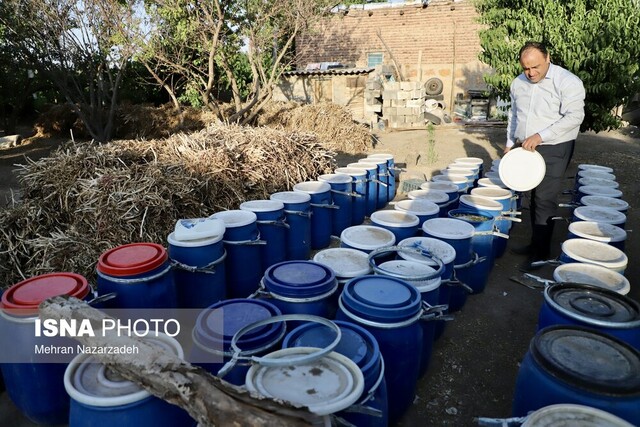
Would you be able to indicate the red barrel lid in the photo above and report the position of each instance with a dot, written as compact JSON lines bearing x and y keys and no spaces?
{"x":28,"y":294}
{"x":132,"y":259}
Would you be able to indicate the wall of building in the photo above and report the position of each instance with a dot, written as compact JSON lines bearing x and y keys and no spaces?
{"x":438,"y":40}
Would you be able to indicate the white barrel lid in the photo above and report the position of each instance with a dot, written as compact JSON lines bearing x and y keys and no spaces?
{"x":592,"y":252}
{"x":386,"y":156}
{"x":394,"y":218}
{"x":491,"y":182}
{"x":352,"y":171}
{"x":262,"y":205}
{"x":418,"y":206}
{"x":336,"y":381}
{"x":599,"y":190}
{"x":469,"y":160}
{"x":448,"y":228}
{"x":455,"y":170}
{"x":446,"y":186}
{"x":464,"y":166}
{"x":438,"y":248}
{"x":566,"y":414}
{"x":435,"y":196}
{"x":601,"y":232}
{"x":345,"y":262}
{"x":335,"y":178}
{"x":605,"y":202}
{"x":291,"y":197}
{"x":197,"y":232}
{"x":591,"y":274}
{"x":599,"y":214}
{"x":367,"y":237}
{"x":312,"y":187}
{"x":399,"y":268}
{"x":480,"y":202}
{"x":594,"y":173}
{"x":363,"y":165}
{"x":90,"y":382}
{"x":598,"y":181}
{"x":456,"y":179}
{"x":522,"y":170}
{"x":374,"y":160}
{"x":495,"y":193}
{"x":595,"y":167}
{"x":236,"y":218}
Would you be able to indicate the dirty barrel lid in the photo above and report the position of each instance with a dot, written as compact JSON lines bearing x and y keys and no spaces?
{"x":605,"y":202}
{"x":598,"y":181}
{"x":600,"y":215}
{"x":395,"y":218}
{"x":26,"y":296}
{"x":345,"y":262}
{"x":591,"y":274}
{"x":367,"y":237}
{"x":446,"y":186}
{"x":568,"y":414}
{"x":417,"y":207}
{"x":299,"y":279}
{"x":600,"y":190}
{"x":438,"y":197}
{"x":601,"y":232}
{"x":197,"y":232}
{"x":448,"y":228}
{"x":132,"y":259}
{"x":438,"y":248}
{"x":592,"y":252}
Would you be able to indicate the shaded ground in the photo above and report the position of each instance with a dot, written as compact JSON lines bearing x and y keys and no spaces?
{"x":475,"y":362}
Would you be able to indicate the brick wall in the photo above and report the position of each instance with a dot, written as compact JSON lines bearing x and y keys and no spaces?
{"x":439,"y":40}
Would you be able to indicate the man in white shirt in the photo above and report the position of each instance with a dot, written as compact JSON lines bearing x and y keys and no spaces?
{"x":547,"y":109}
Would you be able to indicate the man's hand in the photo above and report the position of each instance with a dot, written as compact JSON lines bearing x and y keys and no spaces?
{"x":532,"y":142}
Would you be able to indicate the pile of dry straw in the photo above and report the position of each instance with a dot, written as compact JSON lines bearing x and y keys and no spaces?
{"x":87,"y":198}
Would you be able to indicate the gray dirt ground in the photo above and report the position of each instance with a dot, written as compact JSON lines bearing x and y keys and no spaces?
{"x":475,"y":362}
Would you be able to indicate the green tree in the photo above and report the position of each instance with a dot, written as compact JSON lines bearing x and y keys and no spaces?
{"x":598,"y":40}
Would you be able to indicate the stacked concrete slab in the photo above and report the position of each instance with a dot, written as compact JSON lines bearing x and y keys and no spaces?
{"x":402,"y":104}
{"x":373,"y":100}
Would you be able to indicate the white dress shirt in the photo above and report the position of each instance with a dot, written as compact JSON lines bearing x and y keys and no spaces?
{"x":552,"y":108}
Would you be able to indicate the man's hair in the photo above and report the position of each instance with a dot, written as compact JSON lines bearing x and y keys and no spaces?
{"x":533,"y":45}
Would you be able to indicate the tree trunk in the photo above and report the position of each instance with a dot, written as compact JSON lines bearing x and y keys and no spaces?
{"x":209,"y":400}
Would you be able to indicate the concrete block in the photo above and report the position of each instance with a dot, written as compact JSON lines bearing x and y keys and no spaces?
{"x":373,"y":85}
{"x":417,"y":93}
{"x":389,"y":111}
{"x":390,"y":94}
{"x":373,"y":108}
{"x":373,"y":101}
{"x":403,"y":95}
{"x":373,"y":94}
{"x":398,"y":103}
{"x":386,"y":102}
{"x":418,"y":103}
{"x":391,"y":86}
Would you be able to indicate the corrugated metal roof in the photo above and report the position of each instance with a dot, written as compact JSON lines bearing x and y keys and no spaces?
{"x":333,"y":71}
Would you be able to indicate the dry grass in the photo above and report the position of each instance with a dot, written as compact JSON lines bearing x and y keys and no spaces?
{"x":86,"y":198}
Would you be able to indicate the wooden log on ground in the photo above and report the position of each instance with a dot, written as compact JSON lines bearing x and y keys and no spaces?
{"x":208,"y":399}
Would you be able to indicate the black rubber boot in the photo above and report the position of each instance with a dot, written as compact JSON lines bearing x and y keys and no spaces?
{"x":540,"y":247}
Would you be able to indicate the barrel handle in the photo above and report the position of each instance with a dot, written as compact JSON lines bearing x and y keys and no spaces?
{"x":207,"y":269}
{"x":346,"y":193}
{"x":360,"y":407}
{"x":434,"y":312}
{"x":457,"y":282}
{"x":102,"y":298}
{"x":276,"y":223}
{"x":325,"y":206}
{"x":262,"y":291}
{"x":371,"y":323}
{"x":299,"y":213}
{"x":377,"y":181}
{"x":405,"y":249}
{"x":500,"y":422}
{"x":271,"y":362}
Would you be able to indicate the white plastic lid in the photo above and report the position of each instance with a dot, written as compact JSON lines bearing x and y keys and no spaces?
{"x":446,"y":186}
{"x":594,"y":173}
{"x":417,"y":206}
{"x":367,"y":237}
{"x":262,"y":205}
{"x":201,"y":231}
{"x":469,"y":160}
{"x":88,"y":381}
{"x":494,"y":193}
{"x":335,"y":178}
{"x":599,"y":190}
{"x":605,"y":202}
{"x":386,"y":156}
{"x":312,"y":187}
{"x":598,"y":181}
{"x":363,"y":165}
{"x":600,"y":232}
{"x":591,"y":274}
{"x":480,"y":202}
{"x":435,"y":196}
{"x":236,"y":218}
{"x":327,"y":385}
{"x":599,"y":214}
{"x":375,"y":160}
{"x":456,"y":179}
{"x":352,"y":171}
{"x":522,"y":170}
{"x":468,"y":172}
{"x":595,"y":167}
{"x":400,"y":268}
{"x":291,"y":197}
{"x":345,"y":262}
{"x":393,"y":218}
{"x":592,"y":252}
{"x":448,"y":228}
{"x":438,"y":248}
{"x":571,"y":415}
{"x":491,"y":182}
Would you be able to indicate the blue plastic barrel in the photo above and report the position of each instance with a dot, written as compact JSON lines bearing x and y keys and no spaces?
{"x":599,"y":214}
{"x":359,"y":192}
{"x":593,"y":307}
{"x":102,"y":398}
{"x":198,"y":257}
{"x":391,"y":172}
{"x":458,"y":234}
{"x":342,"y":198}
{"x":362,"y":348}
{"x":273,"y":229}
{"x":508,"y":201}
{"x":243,"y":245}
{"x":592,"y":252}
{"x":495,"y":208}
{"x":605,"y":233}
{"x":572,"y":364}
{"x":423,"y":209}
{"x":216,"y":326}
{"x":606,"y":202}
{"x":373,"y":184}
{"x":366,"y":238}
{"x":297,"y":210}
{"x":402,"y":224}
{"x":321,"y":211}
{"x":390,"y":309}
{"x":34,"y":382}
{"x":140,"y":274}
{"x":383,"y":180}
{"x":301,"y":287}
